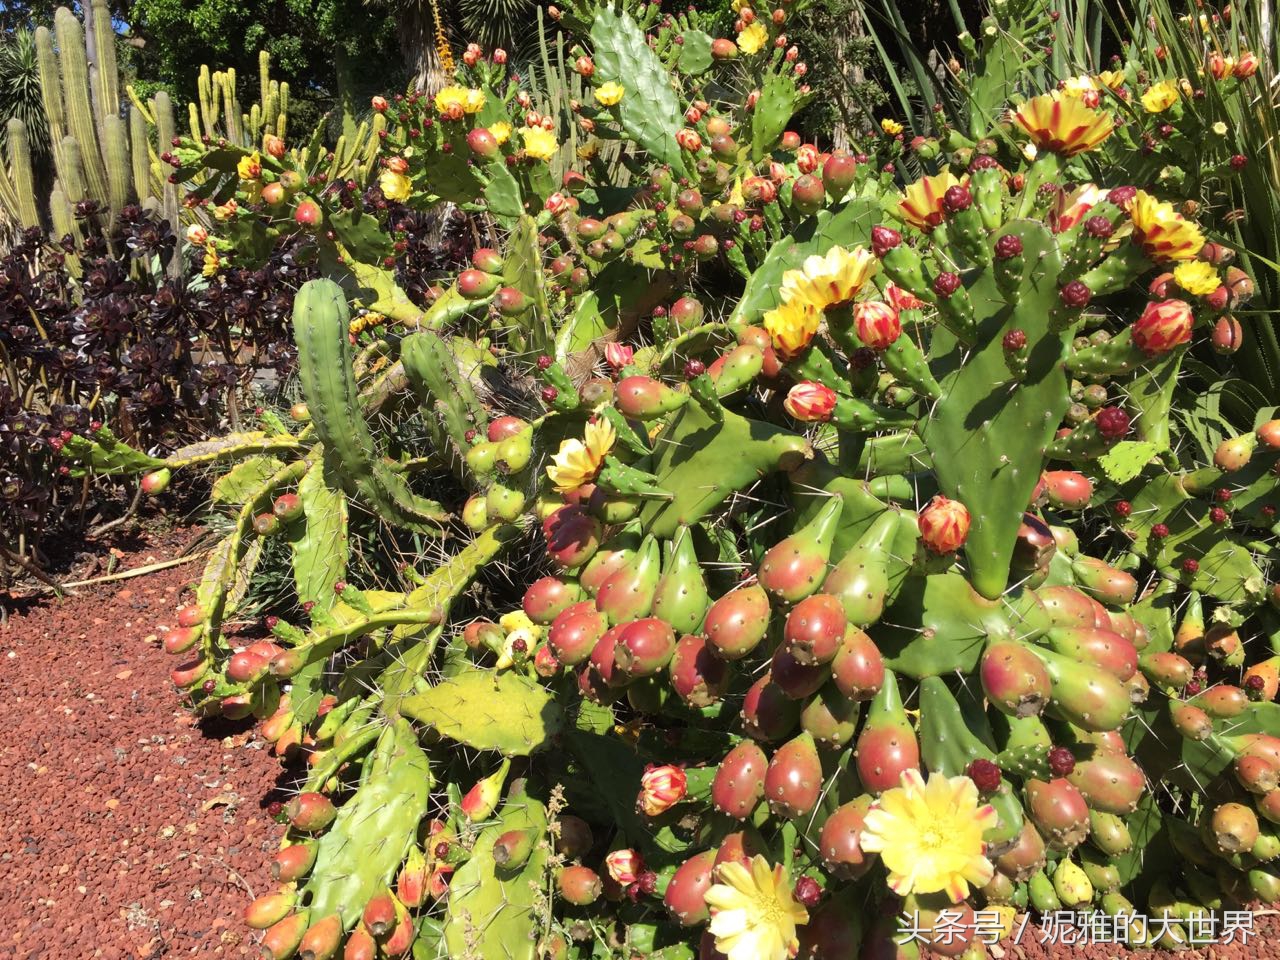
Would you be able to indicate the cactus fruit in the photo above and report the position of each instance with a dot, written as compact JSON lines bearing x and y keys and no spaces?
{"x":793,"y":780}
{"x":739,"y":781}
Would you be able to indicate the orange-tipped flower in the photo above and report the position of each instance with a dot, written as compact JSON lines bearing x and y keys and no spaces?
{"x":624,"y":866}
{"x":1071,"y":208}
{"x":1163,"y":325}
{"x":661,"y":788}
{"x":876,"y":324}
{"x":810,"y":402}
{"x":1246,"y":66}
{"x":921,"y":203}
{"x":901,"y":299}
{"x":1161,"y":231}
{"x":1063,"y":124}
{"x":944,"y":525}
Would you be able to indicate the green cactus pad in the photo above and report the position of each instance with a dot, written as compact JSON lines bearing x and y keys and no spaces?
{"x":506,"y":712}
{"x":320,"y":544}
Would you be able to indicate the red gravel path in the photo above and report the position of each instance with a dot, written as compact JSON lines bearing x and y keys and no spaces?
{"x":129,"y":832}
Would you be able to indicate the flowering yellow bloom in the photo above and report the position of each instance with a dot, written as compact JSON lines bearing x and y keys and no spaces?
{"x":1063,"y":124}
{"x":1161,"y":231}
{"x":792,"y":325}
{"x":921,"y":203}
{"x":753,"y":912}
{"x":211,"y":261}
{"x":454,"y":99}
{"x":501,"y":132}
{"x":752,"y":40}
{"x":929,"y":836}
{"x":538,"y":143}
{"x":1159,"y":97}
{"x":1220,"y":128}
{"x":394,"y":186}
{"x":1196,"y":277}
{"x":891,"y":127}
{"x":610,"y":93}
{"x":475,"y":101}
{"x":1078,"y":86}
{"x":834,"y":278}
{"x":578,"y":461}
{"x":1112,"y":79}
{"x":250,"y":167}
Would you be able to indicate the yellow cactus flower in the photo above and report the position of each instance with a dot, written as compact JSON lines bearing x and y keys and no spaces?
{"x":474,"y":102}
{"x":394,"y":186}
{"x":455,"y":100}
{"x":250,"y":167}
{"x":929,"y":836}
{"x":792,"y":325}
{"x":1196,"y":277}
{"x":1078,"y":86}
{"x":891,"y":127}
{"x":501,"y":132}
{"x":1220,"y":129}
{"x":212,"y":262}
{"x":519,"y":620}
{"x":610,"y":93}
{"x":578,"y":461}
{"x":1159,"y":97}
{"x":831,"y":279}
{"x":1112,"y":79}
{"x":1063,"y":124}
{"x":1161,"y":231}
{"x":538,"y":143}
{"x":753,"y":38}
{"x":921,"y":203}
{"x":754,"y":914}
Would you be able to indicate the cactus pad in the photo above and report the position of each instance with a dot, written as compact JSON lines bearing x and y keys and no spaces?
{"x":488,"y":711}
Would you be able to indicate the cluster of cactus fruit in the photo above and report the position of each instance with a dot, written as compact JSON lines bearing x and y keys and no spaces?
{"x":909,"y":504}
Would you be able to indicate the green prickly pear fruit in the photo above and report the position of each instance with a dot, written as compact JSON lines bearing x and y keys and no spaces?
{"x":644,"y":647}
{"x":736,"y":368}
{"x":155,"y":483}
{"x":840,"y":844}
{"x":1041,"y":893}
{"x":1166,"y":668}
{"x":475,"y":513}
{"x":1071,"y":884}
{"x":795,"y":567}
{"x":738,"y":785}
{"x":887,"y":745}
{"x":1266,"y":847}
{"x":830,"y":717}
{"x":482,"y":799}
{"x":511,"y":850}
{"x":1015,"y":679}
{"x":1234,"y":453}
{"x":759,"y":337}
{"x":379,"y":915}
{"x":1109,"y":833}
{"x":515,"y":451}
{"x":483,"y":635}
{"x":1188,"y":639}
{"x":1102,"y":875}
{"x":572,"y":535}
{"x":282,"y":940}
{"x":549,"y":597}
{"x":643,"y":398}
{"x":293,"y":862}
{"x":182,"y":639}
{"x":797,"y":680}
{"x":1264,"y":884}
{"x":553,"y":946}
{"x":575,"y":632}
{"x":1085,"y":695}
{"x":266,"y":524}
{"x":1025,"y":857}
{"x":698,"y":676}
{"x":687,"y":889}
{"x":682,"y":597}
{"x":360,"y":945}
{"x":814,"y":629}
{"x":1233,"y":828}
{"x":322,"y":939}
{"x":1059,"y":812}
{"x":793,"y":781}
{"x":1104,"y":582}
{"x":629,"y":592}
{"x":1068,"y":607}
{"x":737,"y":622}
{"x":1190,"y":721}
{"x":857,"y":668}
{"x":579,"y":885}
{"x":503,"y":503}
{"x":476,"y":284}
{"x":861,"y":579}
{"x":998,"y":890}
{"x":268,"y":910}
{"x":310,"y":812}
{"x":1102,"y":648}
{"x":609,"y":559}
{"x":767,"y":712}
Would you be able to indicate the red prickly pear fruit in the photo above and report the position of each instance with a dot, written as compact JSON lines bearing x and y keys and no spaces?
{"x":687,"y":313}
{"x":737,"y":622}
{"x":814,"y":629}
{"x":579,"y":885}
{"x":740,"y":847}
{"x":685,"y":894}
{"x":287,"y":662}
{"x":488,"y":260}
{"x":644,"y":647}
{"x":288,"y":507}
{"x":834,"y":930}
{"x":553,"y":946}
{"x":1223,"y":644}
{"x":1102,"y":648}
{"x":1222,"y":701}
{"x":860,"y":581}
{"x":840,"y":844}
{"x":266,"y":524}
{"x":1085,"y":695}
{"x":628,"y":594}
{"x":795,"y":679}
{"x":181,"y":639}
{"x":510,"y":302}
{"x":1269,"y":806}
{"x":1257,"y":775}
{"x":643,"y":398}
{"x":476,"y":284}
{"x":190,"y":615}
{"x":1167,"y":669}
{"x":808,"y":194}
{"x":1233,"y":828}
{"x":1067,"y":489}
{"x":1021,"y":861}
{"x":1234,"y":453}
{"x":795,"y":567}
{"x":887,"y":745}
{"x":481,"y":800}
{"x":612,"y":557}
{"x":1104,"y":582}
{"x":187,"y":675}
{"x":1268,"y":671}
{"x":360,"y":945}
{"x":739,"y":781}
{"x":310,"y":812}
{"x":269,"y":910}
{"x":830,"y":717}
{"x":1067,"y":607}
{"x":858,"y":668}
{"x":767,"y":712}
{"x":380,"y":914}
{"x":482,"y":143}
{"x":1059,"y":812}
{"x":575,"y":837}
{"x":246,"y":667}
{"x":594,"y":687}
{"x":1014,"y":679}
{"x":1139,"y":688}
{"x":572,"y":536}
{"x":548,"y":597}
{"x":697,"y":676}
{"x":411,"y":884}
{"x":838,"y":174}
{"x":1110,"y":782}
{"x":1190,"y":721}
{"x":293,"y":862}
{"x":282,"y":940}
{"x":156,"y":482}
{"x":793,"y":781}
{"x":574,"y":633}
{"x":308,"y":213}
{"x":504,"y":428}
{"x":512,"y":848}
{"x":682,"y":597}
{"x":604,"y":658}
{"x":483,"y":635}
{"x":723,"y":49}
{"x":402,"y":938}
{"x":759,"y":337}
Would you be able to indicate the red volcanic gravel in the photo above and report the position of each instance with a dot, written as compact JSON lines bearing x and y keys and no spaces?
{"x":129,"y":830}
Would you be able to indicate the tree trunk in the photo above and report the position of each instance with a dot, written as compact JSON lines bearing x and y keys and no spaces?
{"x":417,"y":27}
{"x":853,"y":75}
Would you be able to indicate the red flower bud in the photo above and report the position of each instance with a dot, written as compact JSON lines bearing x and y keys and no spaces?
{"x":944,"y":525}
{"x":1164,"y":325}
{"x":810,"y":402}
{"x":876,"y":324}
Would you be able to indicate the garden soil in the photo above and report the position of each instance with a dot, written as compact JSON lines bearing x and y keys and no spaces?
{"x":130,"y":831}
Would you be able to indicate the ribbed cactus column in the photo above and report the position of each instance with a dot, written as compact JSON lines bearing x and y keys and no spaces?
{"x":75,"y":94}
